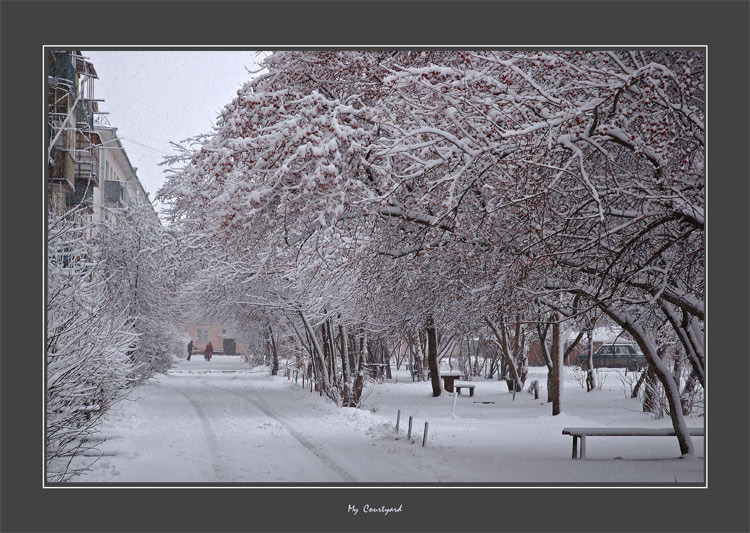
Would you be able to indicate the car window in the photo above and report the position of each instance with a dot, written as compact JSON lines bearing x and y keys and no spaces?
{"x":605,"y":350}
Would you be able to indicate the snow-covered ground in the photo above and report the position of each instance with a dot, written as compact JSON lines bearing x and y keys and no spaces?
{"x":222,"y":421}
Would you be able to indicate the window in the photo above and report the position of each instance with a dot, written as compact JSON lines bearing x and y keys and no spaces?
{"x":202,"y":334}
{"x":112,"y":192}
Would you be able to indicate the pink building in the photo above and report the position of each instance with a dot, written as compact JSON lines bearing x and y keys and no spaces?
{"x":204,"y":332}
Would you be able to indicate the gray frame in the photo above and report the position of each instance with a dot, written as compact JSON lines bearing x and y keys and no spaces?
{"x":723,"y":26}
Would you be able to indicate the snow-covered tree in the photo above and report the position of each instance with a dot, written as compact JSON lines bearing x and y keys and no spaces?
{"x":439,"y":188}
{"x":141,"y":264}
{"x":88,"y":342}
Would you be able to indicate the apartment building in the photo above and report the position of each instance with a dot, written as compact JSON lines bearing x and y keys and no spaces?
{"x":73,"y":149}
{"x":119,"y":185}
{"x":88,"y":167}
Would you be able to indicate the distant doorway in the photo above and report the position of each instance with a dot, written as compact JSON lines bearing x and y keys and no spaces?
{"x":230,"y":347}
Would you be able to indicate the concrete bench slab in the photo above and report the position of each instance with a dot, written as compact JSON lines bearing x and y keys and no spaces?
{"x":464,"y":385}
{"x":583,"y":432}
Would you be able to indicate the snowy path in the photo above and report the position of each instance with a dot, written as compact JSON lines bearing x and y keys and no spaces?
{"x":318,"y":453}
{"x":219,"y":422}
{"x":225,"y":422}
{"x":222,"y":422}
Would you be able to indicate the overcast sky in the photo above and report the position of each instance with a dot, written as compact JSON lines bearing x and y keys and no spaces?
{"x":156,"y":97}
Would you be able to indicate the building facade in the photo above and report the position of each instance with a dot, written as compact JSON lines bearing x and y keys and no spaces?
{"x":87,"y":167}
{"x":119,"y":185}
{"x":73,"y":149}
{"x":202,"y":333}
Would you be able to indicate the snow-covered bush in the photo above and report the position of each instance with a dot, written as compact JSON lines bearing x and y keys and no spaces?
{"x":629,"y":381}
{"x":87,"y":346}
{"x":580,"y":376}
{"x":140,"y":261}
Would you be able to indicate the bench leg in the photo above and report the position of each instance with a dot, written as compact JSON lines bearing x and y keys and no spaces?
{"x":575,"y":447}
{"x":583,"y":446}
{"x":471,"y":392}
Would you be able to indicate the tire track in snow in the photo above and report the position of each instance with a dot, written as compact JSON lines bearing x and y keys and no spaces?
{"x":212,"y":441}
{"x":309,"y":446}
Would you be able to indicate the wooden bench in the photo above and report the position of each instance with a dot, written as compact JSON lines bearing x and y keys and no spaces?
{"x":464,"y":385}
{"x":582,"y":433}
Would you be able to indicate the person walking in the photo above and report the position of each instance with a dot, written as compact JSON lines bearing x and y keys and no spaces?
{"x":190,"y":349}
{"x":209,"y":351}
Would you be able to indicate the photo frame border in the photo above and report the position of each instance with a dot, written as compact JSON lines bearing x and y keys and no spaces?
{"x":26,"y":27}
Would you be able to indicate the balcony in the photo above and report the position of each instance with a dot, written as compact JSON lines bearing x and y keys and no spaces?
{"x":82,"y":195}
{"x":85,"y":111}
{"x":86,"y":156}
{"x":61,"y":72}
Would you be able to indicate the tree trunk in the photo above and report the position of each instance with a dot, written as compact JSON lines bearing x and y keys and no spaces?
{"x":319,"y":362}
{"x":687,"y":392}
{"x":504,"y":349}
{"x":693,"y":347}
{"x":549,"y":385}
{"x":477,"y":368}
{"x":331,"y":355}
{"x":326,"y":351}
{"x":662,"y":373}
{"x":346,"y":374}
{"x":697,"y":339}
{"x":639,"y":384}
{"x":557,"y":369}
{"x":415,"y":351}
{"x":432,"y":353}
{"x":274,"y":353}
{"x":519,"y":351}
{"x":542,"y":336}
{"x":650,"y":393}
{"x":360,"y":379}
{"x":267,"y":347}
{"x":590,"y":376}
{"x":419,"y":360}
{"x":386,"y":359}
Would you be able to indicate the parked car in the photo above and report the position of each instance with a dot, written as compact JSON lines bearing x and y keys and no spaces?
{"x":614,"y":356}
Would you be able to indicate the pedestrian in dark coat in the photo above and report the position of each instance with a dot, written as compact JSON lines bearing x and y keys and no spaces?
{"x":209,"y":351}
{"x":190,"y":349}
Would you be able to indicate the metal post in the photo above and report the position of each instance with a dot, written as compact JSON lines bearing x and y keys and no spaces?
{"x":398,"y":419}
{"x":409,"y":435}
{"x":424,"y":439}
